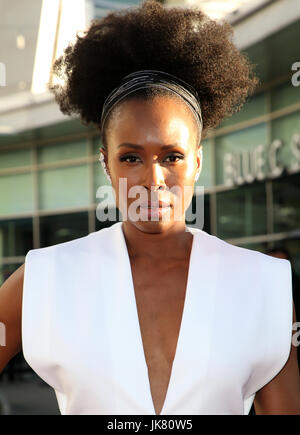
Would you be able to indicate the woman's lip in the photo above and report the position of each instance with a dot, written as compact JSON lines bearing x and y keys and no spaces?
{"x":150,"y":212}
{"x":156,"y":205}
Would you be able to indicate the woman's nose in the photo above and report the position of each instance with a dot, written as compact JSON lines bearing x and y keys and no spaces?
{"x":154,"y":175}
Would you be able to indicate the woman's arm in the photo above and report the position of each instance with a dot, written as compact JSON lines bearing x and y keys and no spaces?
{"x":11,"y":293}
{"x":282,"y":394}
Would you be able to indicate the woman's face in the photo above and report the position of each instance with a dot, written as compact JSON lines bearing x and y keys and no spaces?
{"x":152,"y":145}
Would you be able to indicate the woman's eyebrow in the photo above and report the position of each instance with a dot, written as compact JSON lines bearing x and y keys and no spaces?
{"x":140,"y":147}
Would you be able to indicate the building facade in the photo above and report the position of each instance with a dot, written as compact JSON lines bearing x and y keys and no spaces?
{"x":50,"y":172}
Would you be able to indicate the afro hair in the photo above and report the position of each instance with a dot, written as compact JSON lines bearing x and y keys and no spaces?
{"x":182,"y":41}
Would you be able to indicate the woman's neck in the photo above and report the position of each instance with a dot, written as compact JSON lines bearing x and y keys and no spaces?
{"x":175,"y":242}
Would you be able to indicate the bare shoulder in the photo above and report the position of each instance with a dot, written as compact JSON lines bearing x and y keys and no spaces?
{"x":11,"y":293}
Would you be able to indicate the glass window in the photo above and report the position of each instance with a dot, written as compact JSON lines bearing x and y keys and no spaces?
{"x":241,"y":145}
{"x":242,"y":212}
{"x":204,"y":218}
{"x":62,"y":151}
{"x":13,"y":139}
{"x":206,"y":177}
{"x":15,"y":158}
{"x":53,"y":131}
{"x":284,"y":95}
{"x":16,"y":193}
{"x":64,"y":187}
{"x":275,"y":54}
{"x":96,"y":145}
{"x":286,"y":200}
{"x":16,"y":237}
{"x":62,"y":228}
{"x":100,"y":179}
{"x":285,"y":129}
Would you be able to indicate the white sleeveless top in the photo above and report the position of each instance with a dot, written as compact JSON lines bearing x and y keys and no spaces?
{"x":81,"y":333}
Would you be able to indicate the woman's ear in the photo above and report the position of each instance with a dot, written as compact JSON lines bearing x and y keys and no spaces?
{"x":104,"y":162}
{"x":199,"y":162}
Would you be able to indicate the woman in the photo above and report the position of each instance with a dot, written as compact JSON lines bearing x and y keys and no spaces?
{"x":150,"y":316}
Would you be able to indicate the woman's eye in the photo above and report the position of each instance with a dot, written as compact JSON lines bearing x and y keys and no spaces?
{"x":130,"y":158}
{"x":175,"y":156}
{"x":125,"y":158}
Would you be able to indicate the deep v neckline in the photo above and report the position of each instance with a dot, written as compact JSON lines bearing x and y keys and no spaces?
{"x":183,"y":322}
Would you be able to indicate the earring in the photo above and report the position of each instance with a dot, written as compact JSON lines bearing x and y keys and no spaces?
{"x":101,"y":160}
{"x":199,"y":170}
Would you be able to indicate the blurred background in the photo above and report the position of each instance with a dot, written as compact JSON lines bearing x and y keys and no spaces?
{"x":49,"y":168}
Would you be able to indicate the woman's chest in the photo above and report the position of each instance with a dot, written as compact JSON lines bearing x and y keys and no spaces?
{"x":160,"y":296}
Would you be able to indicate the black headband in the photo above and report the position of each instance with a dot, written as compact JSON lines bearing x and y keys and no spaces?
{"x":148,"y":78}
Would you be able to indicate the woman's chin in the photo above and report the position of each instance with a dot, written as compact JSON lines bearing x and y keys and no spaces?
{"x":151,"y":226}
